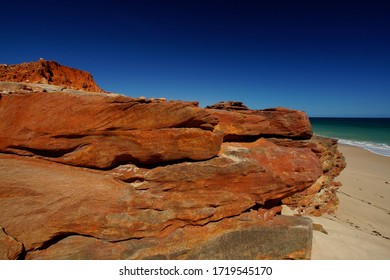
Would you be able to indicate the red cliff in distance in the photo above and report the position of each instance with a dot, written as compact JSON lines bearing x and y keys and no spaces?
{"x":48,"y":72}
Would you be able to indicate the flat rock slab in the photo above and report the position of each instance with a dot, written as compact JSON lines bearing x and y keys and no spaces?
{"x":284,"y":238}
{"x":239,"y":238}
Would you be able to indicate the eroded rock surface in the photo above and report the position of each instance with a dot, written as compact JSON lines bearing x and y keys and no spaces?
{"x":156,"y":202}
{"x":10,"y":249}
{"x":247,"y":125}
{"x":101,"y":131}
{"x":48,"y":72}
{"x":321,"y":197}
{"x":88,"y":175}
{"x":236,"y":238}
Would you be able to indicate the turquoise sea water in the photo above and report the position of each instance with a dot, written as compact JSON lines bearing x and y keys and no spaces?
{"x":372,"y":134}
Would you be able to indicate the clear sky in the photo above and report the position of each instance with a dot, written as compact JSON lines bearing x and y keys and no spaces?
{"x":328,"y":58}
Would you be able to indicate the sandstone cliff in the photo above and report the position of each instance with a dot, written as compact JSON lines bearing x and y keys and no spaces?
{"x":48,"y":72}
{"x":103,"y":176}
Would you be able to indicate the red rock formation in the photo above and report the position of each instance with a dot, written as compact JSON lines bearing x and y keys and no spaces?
{"x":85,"y":170}
{"x":48,"y":72}
{"x":96,"y":130}
{"x":155,"y":202}
{"x":61,"y":202}
{"x":233,"y":238}
{"x":237,"y":123}
{"x":321,"y":197}
{"x":228,"y":105}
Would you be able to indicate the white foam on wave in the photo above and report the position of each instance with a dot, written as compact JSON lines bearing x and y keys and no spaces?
{"x":376,"y":148}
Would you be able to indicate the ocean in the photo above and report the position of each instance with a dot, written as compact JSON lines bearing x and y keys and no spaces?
{"x":372,"y":134}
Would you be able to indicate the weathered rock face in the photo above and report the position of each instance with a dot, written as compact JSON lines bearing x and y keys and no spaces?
{"x":104,"y":176}
{"x":242,"y":237}
{"x":228,"y":105}
{"x":100,"y":131}
{"x":48,"y":72}
{"x":321,"y":197}
{"x":156,"y":202}
{"x":237,"y":123}
{"x":10,"y":249}
{"x":90,"y":209}
{"x":20,"y":88}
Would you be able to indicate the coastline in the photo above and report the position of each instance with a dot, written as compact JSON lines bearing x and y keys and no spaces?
{"x":371,"y":134}
{"x":360,"y":229}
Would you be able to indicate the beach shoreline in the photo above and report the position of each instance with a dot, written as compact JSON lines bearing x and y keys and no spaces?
{"x":360,"y":228}
{"x":371,"y":134}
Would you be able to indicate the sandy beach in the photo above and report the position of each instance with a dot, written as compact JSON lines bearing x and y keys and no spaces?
{"x":360,"y":229}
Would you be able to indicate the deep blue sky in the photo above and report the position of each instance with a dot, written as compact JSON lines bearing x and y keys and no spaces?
{"x":328,"y":58}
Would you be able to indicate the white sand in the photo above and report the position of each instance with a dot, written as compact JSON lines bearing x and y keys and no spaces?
{"x":360,"y":229}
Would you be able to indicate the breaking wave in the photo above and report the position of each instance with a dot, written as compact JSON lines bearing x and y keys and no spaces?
{"x":377,"y":148}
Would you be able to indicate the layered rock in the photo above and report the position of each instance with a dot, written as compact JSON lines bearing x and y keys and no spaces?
{"x":104,"y":176}
{"x":237,"y":123}
{"x":16,"y":87}
{"x":241,"y":237}
{"x":321,"y":197}
{"x":287,"y":128}
{"x":101,"y":131}
{"x":157,"y":202}
{"x":48,"y":72}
